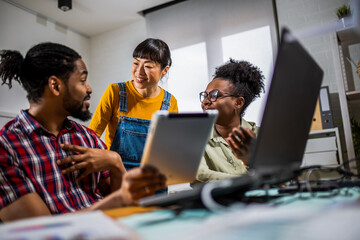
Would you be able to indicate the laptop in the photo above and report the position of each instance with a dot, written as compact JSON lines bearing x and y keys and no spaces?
{"x":176,"y":142}
{"x":277,"y":152}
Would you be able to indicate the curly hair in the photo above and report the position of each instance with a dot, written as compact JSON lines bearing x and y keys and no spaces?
{"x":246,"y":78}
{"x":32,"y":72}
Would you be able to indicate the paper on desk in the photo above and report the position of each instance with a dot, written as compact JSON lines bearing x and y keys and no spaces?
{"x":292,"y":222}
{"x":87,"y":225}
{"x":179,"y":187}
{"x":240,"y":223}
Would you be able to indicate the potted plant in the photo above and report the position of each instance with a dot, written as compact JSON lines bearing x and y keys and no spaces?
{"x":344,"y":14}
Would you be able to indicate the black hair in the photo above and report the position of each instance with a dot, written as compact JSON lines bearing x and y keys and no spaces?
{"x":156,"y":50}
{"x":246,"y":78}
{"x":41,"y":62}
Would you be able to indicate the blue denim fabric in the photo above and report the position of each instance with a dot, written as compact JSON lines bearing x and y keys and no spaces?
{"x":130,"y":135}
{"x":129,"y":140}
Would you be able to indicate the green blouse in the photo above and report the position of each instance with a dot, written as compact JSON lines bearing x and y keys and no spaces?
{"x":218,"y":161}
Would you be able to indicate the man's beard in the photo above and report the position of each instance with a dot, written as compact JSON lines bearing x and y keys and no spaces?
{"x":76,"y":108}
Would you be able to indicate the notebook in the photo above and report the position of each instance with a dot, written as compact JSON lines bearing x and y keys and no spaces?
{"x":176,"y":143}
{"x":277,"y":153}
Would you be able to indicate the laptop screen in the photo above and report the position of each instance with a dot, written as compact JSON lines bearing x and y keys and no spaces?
{"x":289,"y":108}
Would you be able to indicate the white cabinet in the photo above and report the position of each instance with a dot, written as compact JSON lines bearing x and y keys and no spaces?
{"x":323,"y":148}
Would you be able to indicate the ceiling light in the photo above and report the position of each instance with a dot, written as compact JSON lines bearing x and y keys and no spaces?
{"x":64,"y":5}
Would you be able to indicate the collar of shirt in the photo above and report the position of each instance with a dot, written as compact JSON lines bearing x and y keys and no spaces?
{"x":30,"y":124}
{"x":215,"y":136}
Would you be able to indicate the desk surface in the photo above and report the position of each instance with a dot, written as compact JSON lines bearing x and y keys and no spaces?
{"x":334,"y":215}
{"x":128,"y":211}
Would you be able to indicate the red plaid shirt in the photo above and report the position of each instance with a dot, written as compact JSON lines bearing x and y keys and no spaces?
{"x":28,"y":155}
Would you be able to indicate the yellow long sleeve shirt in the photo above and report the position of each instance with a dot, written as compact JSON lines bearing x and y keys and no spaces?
{"x":107,"y":112}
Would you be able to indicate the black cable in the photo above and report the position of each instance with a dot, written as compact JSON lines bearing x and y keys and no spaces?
{"x":338,"y":169}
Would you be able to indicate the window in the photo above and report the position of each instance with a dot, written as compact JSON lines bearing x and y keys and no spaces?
{"x":188,"y":76}
{"x":197,"y":31}
{"x":254,"y":46}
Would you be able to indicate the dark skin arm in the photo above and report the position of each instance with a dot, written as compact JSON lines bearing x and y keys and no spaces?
{"x":137,"y":183}
{"x":240,"y":141}
{"x":29,"y":205}
{"x":91,"y":160}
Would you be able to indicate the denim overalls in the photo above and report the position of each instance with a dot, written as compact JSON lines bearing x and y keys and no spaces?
{"x":130,"y":135}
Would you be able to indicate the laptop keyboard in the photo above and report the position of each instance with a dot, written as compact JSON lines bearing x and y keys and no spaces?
{"x":220,"y":190}
{"x":164,"y":199}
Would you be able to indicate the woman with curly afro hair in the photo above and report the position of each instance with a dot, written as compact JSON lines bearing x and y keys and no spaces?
{"x":234,"y":86}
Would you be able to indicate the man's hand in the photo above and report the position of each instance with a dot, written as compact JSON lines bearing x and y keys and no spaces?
{"x":141,"y":182}
{"x":91,"y":160}
{"x":240,"y":140}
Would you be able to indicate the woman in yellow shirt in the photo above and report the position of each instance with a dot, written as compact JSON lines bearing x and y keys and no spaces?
{"x":126,"y":108}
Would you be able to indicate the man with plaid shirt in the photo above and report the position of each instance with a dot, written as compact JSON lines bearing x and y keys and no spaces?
{"x":50,"y":164}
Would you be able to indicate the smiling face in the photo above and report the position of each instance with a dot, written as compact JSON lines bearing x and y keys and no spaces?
{"x":229,"y":107}
{"x":77,"y":93}
{"x":146,"y":73}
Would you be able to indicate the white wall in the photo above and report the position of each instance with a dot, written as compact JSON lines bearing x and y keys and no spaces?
{"x":212,"y":23}
{"x":21,"y":30}
{"x":111,"y":57}
{"x":108,"y":56}
{"x":193,"y":22}
{"x":302,"y":14}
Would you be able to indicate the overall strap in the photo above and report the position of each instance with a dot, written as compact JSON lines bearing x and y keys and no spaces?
{"x":123,"y":97}
{"x":166,"y":101}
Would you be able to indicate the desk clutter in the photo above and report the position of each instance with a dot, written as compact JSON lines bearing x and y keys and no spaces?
{"x":299,"y":210}
{"x":221,"y":193}
{"x":304,"y":216}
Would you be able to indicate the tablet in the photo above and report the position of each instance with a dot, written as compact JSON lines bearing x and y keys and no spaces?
{"x":176,"y":142}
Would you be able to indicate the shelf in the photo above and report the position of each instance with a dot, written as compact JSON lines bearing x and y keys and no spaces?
{"x":323,"y":133}
{"x":349,"y":35}
{"x":353,"y":95}
{"x":340,"y":41}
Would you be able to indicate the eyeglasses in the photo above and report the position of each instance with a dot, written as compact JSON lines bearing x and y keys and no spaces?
{"x":213,"y":95}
